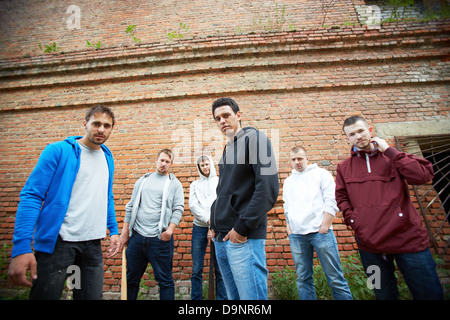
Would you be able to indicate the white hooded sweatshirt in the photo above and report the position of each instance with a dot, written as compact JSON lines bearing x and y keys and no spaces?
{"x":307,"y":195}
{"x":202,"y":193}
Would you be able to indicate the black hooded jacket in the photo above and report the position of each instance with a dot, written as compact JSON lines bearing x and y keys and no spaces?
{"x":248,"y":186}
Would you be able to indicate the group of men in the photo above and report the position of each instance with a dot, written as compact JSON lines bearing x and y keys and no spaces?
{"x":67,"y":204}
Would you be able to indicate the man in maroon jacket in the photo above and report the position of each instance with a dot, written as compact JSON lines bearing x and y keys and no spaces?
{"x":373,"y":195}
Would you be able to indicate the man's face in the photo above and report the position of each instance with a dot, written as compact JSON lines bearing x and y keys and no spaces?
{"x":299,"y":160}
{"x":204,"y":168}
{"x":359,"y":135}
{"x":163,"y":164}
{"x":227,"y":120}
{"x":98,"y":128}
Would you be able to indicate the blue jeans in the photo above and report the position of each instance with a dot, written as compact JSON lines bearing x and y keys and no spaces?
{"x":418,"y":270}
{"x":143,"y":250}
{"x":52,"y":270}
{"x":199,"y":244}
{"x":243,"y":268}
{"x":302,"y":248}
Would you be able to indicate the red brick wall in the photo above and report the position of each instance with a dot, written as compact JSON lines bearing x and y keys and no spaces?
{"x":29,"y":23}
{"x":297,"y":86}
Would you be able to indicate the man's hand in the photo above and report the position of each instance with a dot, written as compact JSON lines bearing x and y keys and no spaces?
{"x":234,"y":237}
{"x":167,"y":235}
{"x":288,"y":230}
{"x":124,"y":236}
{"x":381,"y":144}
{"x":324,"y":229}
{"x":210,"y":236}
{"x":114,"y":246}
{"x":18,"y":269}
{"x":326,"y":222}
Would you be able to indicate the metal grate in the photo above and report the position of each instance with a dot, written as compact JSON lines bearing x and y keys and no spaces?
{"x":433,"y":198}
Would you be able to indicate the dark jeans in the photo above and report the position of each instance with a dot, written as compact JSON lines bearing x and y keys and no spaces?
{"x":199,"y":244}
{"x":142,"y":250}
{"x":52,"y":271}
{"x":418,"y":270}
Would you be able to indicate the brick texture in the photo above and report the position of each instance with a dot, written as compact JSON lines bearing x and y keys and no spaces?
{"x":297,"y":86}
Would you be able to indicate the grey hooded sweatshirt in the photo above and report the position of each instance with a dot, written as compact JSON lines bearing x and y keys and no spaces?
{"x":172,"y":203}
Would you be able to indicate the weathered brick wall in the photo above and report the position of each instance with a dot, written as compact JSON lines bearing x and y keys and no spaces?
{"x":29,"y":23}
{"x":298,"y":86}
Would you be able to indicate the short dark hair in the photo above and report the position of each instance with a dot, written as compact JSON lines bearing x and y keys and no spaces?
{"x":100,"y":109}
{"x":352,"y":120}
{"x":225,"y":102}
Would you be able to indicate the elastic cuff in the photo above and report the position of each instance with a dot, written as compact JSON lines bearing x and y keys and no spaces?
{"x":391,"y":152}
{"x":241,"y":228}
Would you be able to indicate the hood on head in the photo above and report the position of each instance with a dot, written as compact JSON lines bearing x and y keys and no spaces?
{"x":212,"y":168}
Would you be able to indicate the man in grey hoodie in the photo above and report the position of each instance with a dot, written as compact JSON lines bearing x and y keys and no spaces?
{"x":155,"y":209}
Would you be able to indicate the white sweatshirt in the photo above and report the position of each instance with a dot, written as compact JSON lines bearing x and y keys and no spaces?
{"x":307,"y":195}
{"x":202,"y":193}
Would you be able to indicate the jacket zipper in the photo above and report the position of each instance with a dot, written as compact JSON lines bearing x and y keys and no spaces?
{"x":368,"y":164}
{"x":217,"y":196}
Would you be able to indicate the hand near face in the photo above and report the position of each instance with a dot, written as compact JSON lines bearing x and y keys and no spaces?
{"x":381,"y":144}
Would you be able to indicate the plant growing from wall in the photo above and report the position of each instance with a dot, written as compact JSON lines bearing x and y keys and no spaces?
{"x":94,"y":45}
{"x":179,"y":34}
{"x":49,"y":47}
{"x":396,"y":5}
{"x":275,"y":21}
{"x":131,"y":29}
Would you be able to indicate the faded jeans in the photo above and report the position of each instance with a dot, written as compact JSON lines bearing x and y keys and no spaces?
{"x":243,"y":268}
{"x":302,"y":248}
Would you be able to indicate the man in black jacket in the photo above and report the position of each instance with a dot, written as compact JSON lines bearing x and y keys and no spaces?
{"x":247,"y":189}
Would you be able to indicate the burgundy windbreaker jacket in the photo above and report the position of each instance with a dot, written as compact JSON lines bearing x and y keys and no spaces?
{"x":373,"y":195}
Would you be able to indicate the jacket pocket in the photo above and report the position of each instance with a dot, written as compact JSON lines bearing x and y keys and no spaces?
{"x":377,"y":227}
{"x":224,"y":215}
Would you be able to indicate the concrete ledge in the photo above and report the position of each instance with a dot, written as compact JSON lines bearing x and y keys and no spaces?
{"x":413,"y":128}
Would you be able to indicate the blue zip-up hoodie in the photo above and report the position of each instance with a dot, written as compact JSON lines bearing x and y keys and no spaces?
{"x":45,"y":198}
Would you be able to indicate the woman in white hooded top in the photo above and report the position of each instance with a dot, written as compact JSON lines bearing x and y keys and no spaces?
{"x":202,"y":193}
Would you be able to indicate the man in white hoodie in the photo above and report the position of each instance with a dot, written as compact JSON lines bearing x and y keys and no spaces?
{"x":309,"y":208}
{"x":202,"y":193}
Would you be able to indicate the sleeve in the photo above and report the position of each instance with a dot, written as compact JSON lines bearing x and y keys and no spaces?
{"x":129,"y":205}
{"x":328,"y":187}
{"x":111,"y":216}
{"x":194,"y":204}
{"x":415,"y":170}
{"x":286,"y":200}
{"x":178,"y":204}
{"x":266,"y":186}
{"x":342,"y":199}
{"x":31,"y":198}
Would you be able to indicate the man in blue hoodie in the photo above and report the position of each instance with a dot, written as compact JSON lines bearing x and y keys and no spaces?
{"x":65,"y":207}
{"x":247,"y":189}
